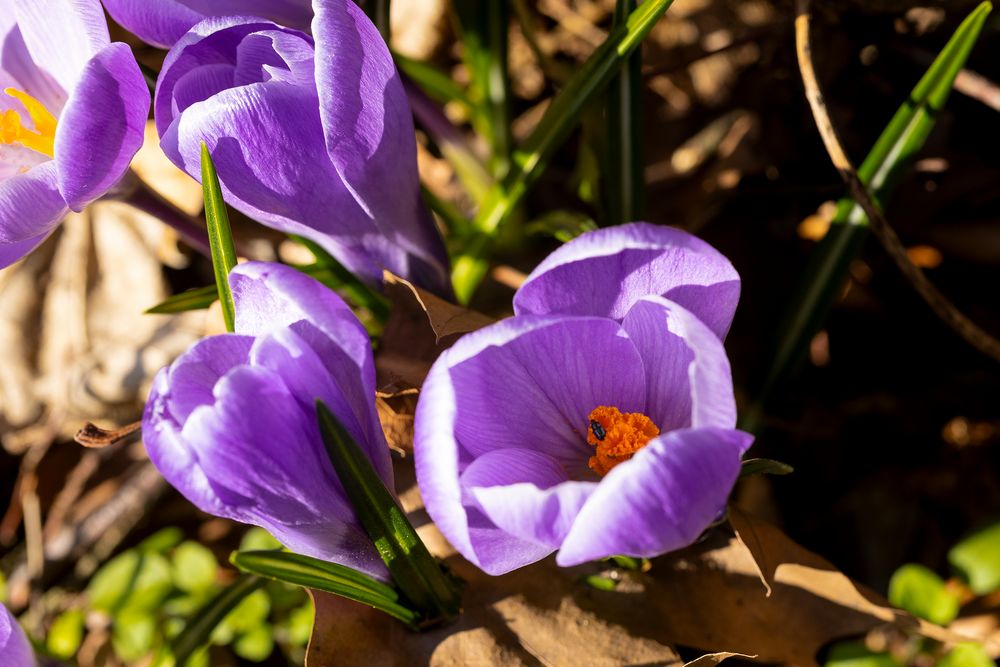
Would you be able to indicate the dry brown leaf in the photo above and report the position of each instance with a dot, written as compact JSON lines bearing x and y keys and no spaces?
{"x":711,"y":659}
{"x":420,"y":326}
{"x":708,"y":597}
{"x":746,"y":533}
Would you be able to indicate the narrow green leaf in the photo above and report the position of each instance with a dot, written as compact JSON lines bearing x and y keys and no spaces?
{"x":329,"y":577}
{"x":199,"y":628}
{"x":977,"y":557}
{"x":485,"y":24}
{"x":433,"y":82}
{"x":624,"y":172}
{"x":337,"y":277}
{"x":530,"y":159}
{"x":414,"y":570}
{"x":198,"y":298}
{"x":764,"y":467}
{"x":828,"y":268}
{"x":220,"y":235}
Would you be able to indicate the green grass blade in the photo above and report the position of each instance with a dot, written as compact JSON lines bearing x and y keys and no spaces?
{"x":892,"y":153}
{"x":484,"y":25}
{"x":323,"y":576}
{"x":530,"y":159}
{"x":199,"y":628}
{"x":414,"y":570}
{"x":220,"y":236}
{"x":752,"y":467}
{"x":333,"y":274}
{"x":198,"y":298}
{"x":433,"y":82}
{"x":624,"y":172}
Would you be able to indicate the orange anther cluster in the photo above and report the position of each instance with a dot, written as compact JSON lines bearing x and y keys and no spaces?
{"x":12,"y":130}
{"x":617,"y":436}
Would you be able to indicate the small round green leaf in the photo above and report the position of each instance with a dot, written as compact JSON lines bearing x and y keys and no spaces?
{"x":194,"y":567}
{"x":133,"y":635}
{"x":922,"y":593}
{"x":977,"y":557}
{"x":132,"y":580}
{"x":855,"y":654}
{"x":66,"y":634}
{"x":966,"y":655}
{"x":255,"y":645}
{"x":258,"y":539}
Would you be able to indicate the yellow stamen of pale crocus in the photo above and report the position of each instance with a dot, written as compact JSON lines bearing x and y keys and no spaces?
{"x":42,"y":139}
{"x":616,"y":436}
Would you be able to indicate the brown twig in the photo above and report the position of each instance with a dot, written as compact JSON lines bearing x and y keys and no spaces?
{"x":938,"y":302}
{"x":96,"y":437}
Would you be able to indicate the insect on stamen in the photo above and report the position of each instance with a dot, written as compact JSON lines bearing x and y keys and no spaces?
{"x":598,"y":430}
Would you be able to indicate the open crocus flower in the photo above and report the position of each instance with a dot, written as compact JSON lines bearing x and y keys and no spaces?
{"x":310,"y":135}
{"x":605,"y":272}
{"x":232,"y":423}
{"x":73,"y":108}
{"x":163,"y":22}
{"x":15,"y":651}
{"x":580,"y":434}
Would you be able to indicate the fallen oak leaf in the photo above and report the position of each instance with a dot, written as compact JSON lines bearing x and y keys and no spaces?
{"x":420,"y":326}
{"x":746,"y":533}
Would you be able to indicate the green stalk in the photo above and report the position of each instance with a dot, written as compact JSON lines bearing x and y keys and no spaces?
{"x":414,"y":570}
{"x":530,"y":160}
{"x":624,"y":171}
{"x":199,"y":627}
{"x":220,"y":236}
{"x":891,"y":155}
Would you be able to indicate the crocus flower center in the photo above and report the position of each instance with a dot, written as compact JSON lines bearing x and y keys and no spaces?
{"x":42,"y":138}
{"x":617,"y":436}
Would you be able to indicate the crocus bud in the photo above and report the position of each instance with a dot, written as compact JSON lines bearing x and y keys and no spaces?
{"x":163,"y":22}
{"x":311,"y":135}
{"x":232,"y":423}
{"x":73,"y":109}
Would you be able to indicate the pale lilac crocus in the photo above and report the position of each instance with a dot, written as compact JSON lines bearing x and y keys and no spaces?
{"x":311,"y":135}
{"x":232,"y":424}
{"x":163,"y":22}
{"x":73,"y":106}
{"x":15,"y":651}
{"x":609,"y":433}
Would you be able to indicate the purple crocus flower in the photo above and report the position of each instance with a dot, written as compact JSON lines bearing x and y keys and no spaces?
{"x":605,"y":272}
{"x":585,"y":434}
{"x":232,"y":423}
{"x":15,"y":651}
{"x":163,"y":22}
{"x":72,"y":111}
{"x":310,"y":135}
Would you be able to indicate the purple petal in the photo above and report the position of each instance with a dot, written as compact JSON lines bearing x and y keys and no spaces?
{"x":15,"y":651}
{"x":62,"y":35}
{"x":604,"y":272}
{"x":689,"y":383}
{"x":368,"y":129}
{"x":533,"y":381}
{"x":194,"y":374}
{"x":12,"y":252}
{"x":269,"y":297}
{"x":18,"y":70}
{"x":30,"y":208}
{"x":163,"y":22}
{"x":522,"y":383}
{"x":529,"y":498}
{"x":102,"y":125}
{"x":660,"y":500}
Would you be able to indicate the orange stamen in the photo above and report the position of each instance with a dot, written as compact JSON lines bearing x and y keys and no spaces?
{"x":12,"y":130}
{"x":617,"y":436}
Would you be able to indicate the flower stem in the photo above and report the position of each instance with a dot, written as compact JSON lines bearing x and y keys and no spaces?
{"x":147,"y":200}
